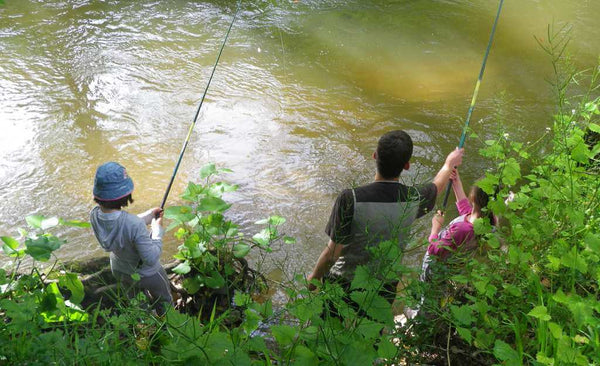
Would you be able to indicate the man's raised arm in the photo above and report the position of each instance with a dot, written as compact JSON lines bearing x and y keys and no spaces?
{"x":453,"y":160}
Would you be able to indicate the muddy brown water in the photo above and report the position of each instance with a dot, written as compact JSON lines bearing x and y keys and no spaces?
{"x":302,"y":92}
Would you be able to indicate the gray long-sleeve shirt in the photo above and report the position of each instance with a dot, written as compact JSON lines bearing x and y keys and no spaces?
{"x":132,"y":248}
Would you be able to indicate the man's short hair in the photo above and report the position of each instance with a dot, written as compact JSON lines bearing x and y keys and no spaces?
{"x":394,"y":150}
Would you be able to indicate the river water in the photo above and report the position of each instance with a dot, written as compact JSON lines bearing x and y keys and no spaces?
{"x":302,"y":92}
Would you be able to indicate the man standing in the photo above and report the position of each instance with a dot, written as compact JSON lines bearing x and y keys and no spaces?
{"x":383,"y":210}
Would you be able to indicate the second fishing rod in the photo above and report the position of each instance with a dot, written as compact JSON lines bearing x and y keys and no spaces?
{"x":474,"y":98}
{"x":189,"y":134}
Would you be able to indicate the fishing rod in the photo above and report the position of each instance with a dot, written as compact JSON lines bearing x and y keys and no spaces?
{"x":189,"y":134}
{"x":474,"y":99}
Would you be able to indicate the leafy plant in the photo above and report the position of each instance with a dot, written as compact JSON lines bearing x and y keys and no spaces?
{"x":214,"y":250}
{"x":530,"y":295}
{"x":33,"y":302}
{"x":36,"y":291}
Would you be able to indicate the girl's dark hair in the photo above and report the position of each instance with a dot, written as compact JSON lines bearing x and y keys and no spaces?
{"x":116,"y":204}
{"x":480,"y":201}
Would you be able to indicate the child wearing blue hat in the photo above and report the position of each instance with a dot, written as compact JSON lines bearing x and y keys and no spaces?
{"x":132,"y":248}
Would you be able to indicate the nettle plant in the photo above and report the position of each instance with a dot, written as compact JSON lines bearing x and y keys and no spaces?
{"x":35,"y":297}
{"x":214,"y":249}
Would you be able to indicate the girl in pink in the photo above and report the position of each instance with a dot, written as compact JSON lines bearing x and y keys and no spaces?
{"x":459,"y":233}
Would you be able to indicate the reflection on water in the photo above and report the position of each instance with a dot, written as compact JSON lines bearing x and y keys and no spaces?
{"x":302,"y":92}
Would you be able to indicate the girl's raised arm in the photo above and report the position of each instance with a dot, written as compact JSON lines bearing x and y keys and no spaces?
{"x":457,"y":186}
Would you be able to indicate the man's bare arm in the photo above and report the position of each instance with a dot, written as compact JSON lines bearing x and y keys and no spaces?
{"x":453,"y":160}
{"x":328,"y":256}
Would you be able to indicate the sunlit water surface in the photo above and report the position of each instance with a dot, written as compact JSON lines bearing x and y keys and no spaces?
{"x":301,"y":94}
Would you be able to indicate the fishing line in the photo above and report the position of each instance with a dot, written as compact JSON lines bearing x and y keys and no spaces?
{"x":189,"y":134}
{"x":474,"y":99}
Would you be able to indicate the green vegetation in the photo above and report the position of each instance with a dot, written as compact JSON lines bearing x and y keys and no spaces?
{"x":528,"y":295}
{"x":213,"y":252}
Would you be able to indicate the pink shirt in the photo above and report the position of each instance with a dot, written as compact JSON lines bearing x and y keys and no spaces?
{"x":457,"y":233}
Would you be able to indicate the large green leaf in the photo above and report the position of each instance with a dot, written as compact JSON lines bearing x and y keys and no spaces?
{"x":196,"y":251}
{"x":72,"y":282}
{"x":241,"y":298}
{"x":465,"y":334}
{"x":580,"y":153}
{"x":179,"y":213}
{"x":20,"y":312}
{"x":493,"y":150}
{"x":544,"y":360}
{"x":50,"y":300}
{"x":35,"y":221}
{"x":364,"y":280}
{"x":193,"y":284}
{"x":182,"y":268}
{"x":359,"y":353}
{"x":488,"y":183}
{"x":369,"y":329}
{"x":504,"y":352}
{"x":462,"y":314}
{"x":263,"y":238}
{"x":374,"y":305}
{"x":304,"y":356}
{"x":307,"y":309}
{"x":10,"y":245}
{"x":213,"y":204}
{"x":386,"y":349}
{"x":555,"y":330}
{"x":42,"y":247}
{"x":276,"y":220}
{"x":185,"y":339}
{"x":574,"y":260}
{"x":540,"y":312}
{"x":284,"y":334}
{"x":208,"y":170}
{"x":218,"y":346}
{"x":568,"y":354}
{"x":240,"y":250}
{"x":251,"y":320}
{"x":192,"y":191}
{"x":214,"y":280}
{"x":511,"y":172}
{"x":257,"y":344}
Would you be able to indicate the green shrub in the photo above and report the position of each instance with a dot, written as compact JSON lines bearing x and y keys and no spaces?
{"x":531,"y":296}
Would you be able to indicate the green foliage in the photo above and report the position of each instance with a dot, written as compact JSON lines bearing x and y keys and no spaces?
{"x":35,"y":305}
{"x":44,"y":289}
{"x":213,"y":246}
{"x":530,"y":294}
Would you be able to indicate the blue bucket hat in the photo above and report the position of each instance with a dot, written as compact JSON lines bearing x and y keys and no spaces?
{"x":112,"y":182}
